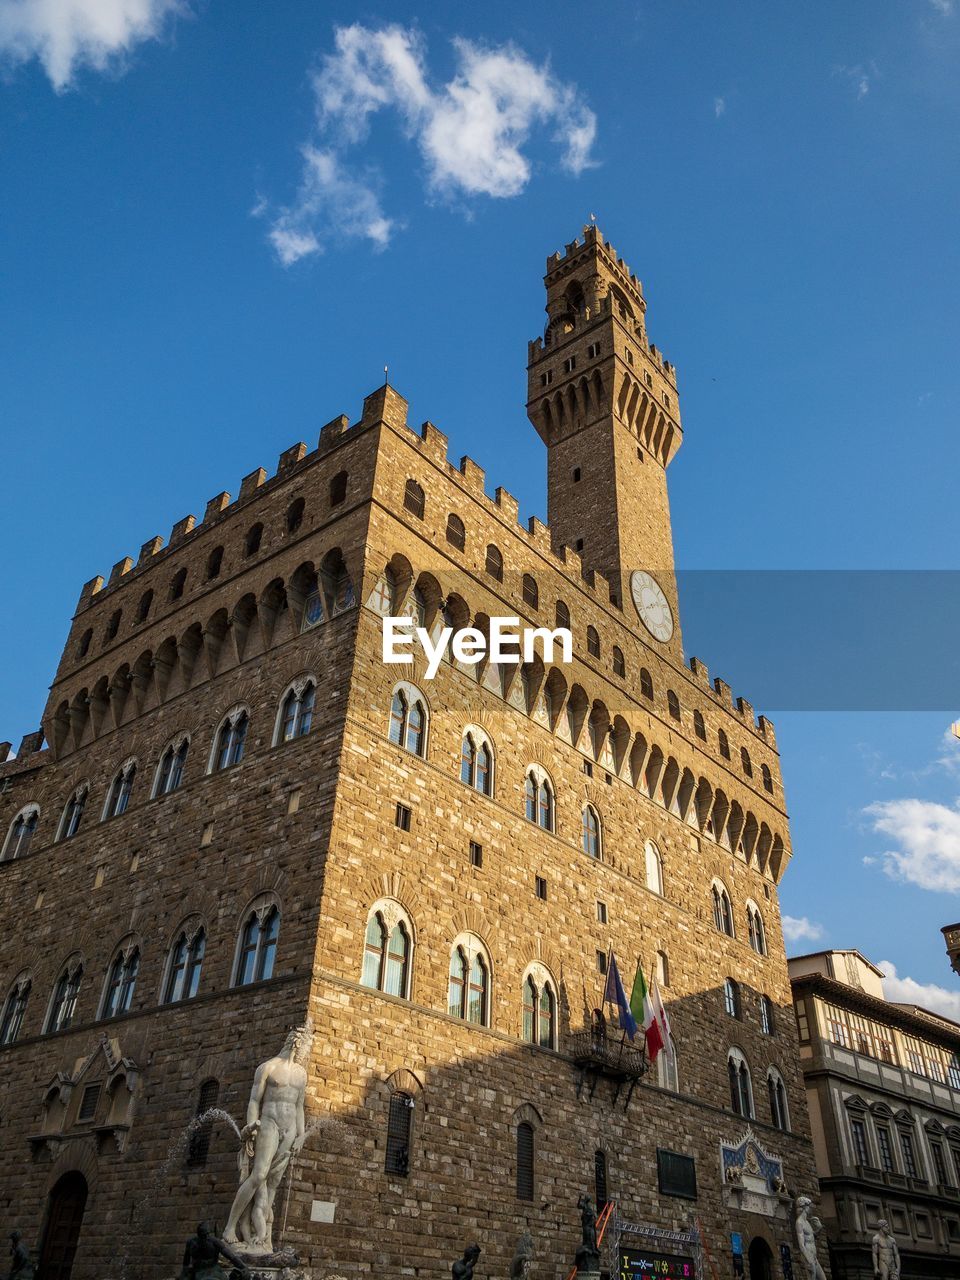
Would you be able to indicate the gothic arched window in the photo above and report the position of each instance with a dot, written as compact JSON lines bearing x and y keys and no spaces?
{"x":539,"y":1011}
{"x":186,"y":961}
{"x":296,"y":711}
{"x":654,"y":867}
{"x":230,"y":740}
{"x":387,"y":952}
{"x":777,"y":1094}
{"x":591,"y":831}
{"x":468,"y":993}
{"x":767,"y":1024}
{"x":118,"y":797}
{"x":170,"y":769}
{"x":258,"y":947}
{"x":731,"y":998}
{"x":14,"y":1008}
{"x":22,"y":830}
{"x":408,"y":720}
{"x":756,"y":931}
{"x":476,"y":761}
{"x":722,"y":912}
{"x":121,"y":982}
{"x":538,"y":798}
{"x":741,"y":1089}
{"x":65,"y":993}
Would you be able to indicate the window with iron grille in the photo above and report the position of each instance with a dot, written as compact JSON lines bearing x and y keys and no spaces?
{"x":198,"y":1148}
{"x":399,"y":1124}
{"x":676,"y":1174}
{"x":524,"y":1161}
{"x":600,"y":1178}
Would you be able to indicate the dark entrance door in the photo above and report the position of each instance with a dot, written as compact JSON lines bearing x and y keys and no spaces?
{"x":68,"y":1200}
{"x":760,"y":1259}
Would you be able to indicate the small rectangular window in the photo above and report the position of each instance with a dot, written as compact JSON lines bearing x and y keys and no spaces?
{"x":476,"y":854}
{"x":206,"y":835}
{"x":402,"y":818}
{"x":569,"y":364}
{"x":601,"y":961}
{"x":397,"y":1159}
{"x":579,"y":544}
{"x":88,"y":1103}
{"x":588,"y":768}
{"x":601,"y":912}
{"x":576,"y":475}
{"x":676,"y":1174}
{"x":593,"y":350}
{"x":608,"y":779}
{"x":293,"y":801}
{"x":629,"y":356}
{"x":541,"y":888}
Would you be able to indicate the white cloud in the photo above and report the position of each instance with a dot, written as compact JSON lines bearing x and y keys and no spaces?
{"x":928,"y":995}
{"x":67,"y":34}
{"x":860,"y":76}
{"x":800,"y":928}
{"x":944,"y":7}
{"x":719,"y":107}
{"x":928,"y":839}
{"x":471,"y":133}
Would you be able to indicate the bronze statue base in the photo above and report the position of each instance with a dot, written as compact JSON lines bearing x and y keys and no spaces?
{"x":282,"y":1264}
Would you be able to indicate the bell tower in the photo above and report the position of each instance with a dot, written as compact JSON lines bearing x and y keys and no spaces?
{"x":604,"y":401}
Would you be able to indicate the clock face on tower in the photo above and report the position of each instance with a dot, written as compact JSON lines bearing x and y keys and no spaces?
{"x":652,"y":605}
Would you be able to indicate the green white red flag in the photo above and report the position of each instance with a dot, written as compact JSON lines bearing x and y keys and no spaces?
{"x":643,"y":1009}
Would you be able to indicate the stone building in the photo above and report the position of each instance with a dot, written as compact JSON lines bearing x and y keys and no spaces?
{"x":883,"y":1091}
{"x":237,"y":815}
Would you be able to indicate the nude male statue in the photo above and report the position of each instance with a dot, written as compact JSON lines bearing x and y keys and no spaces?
{"x":886,"y":1254}
{"x":274,"y":1132}
{"x":807,"y":1229}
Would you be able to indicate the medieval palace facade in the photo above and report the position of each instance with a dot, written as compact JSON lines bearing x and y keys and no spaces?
{"x":236,"y":817}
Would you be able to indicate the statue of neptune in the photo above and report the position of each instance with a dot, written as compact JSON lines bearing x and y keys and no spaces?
{"x":274,"y":1132}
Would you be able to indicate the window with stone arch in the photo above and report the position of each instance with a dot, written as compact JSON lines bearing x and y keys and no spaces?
{"x":493,"y":563}
{"x":295,"y":712}
{"x":527,"y":1122}
{"x":456,"y":532}
{"x":767,"y":778}
{"x":14,"y":1009}
{"x":777,"y":1096}
{"x":170,"y":767}
{"x":593,"y":642}
{"x":257,"y":944}
{"x":185,"y":963}
{"x":755,"y":929}
{"x":21,"y":832}
{"x":63,"y":1000}
{"x":646,"y":684}
{"x":653,"y":864}
{"x":251,"y":544}
{"x":741,"y":1086}
{"x":531,"y":592}
{"x":591,"y":833}
{"x":619,"y":662}
{"x":662,"y":969}
{"x":414,"y":499}
{"x":230,"y":739}
{"x":405,"y":1089}
{"x":668,"y":1069}
{"x":119,"y":791}
{"x":468,"y":988}
{"x":388,"y":949}
{"x":767,"y":1020}
{"x":722,"y":911}
{"x":563,"y":615}
{"x":121,"y":980}
{"x":539,"y":1012}
{"x":409,"y":719}
{"x":732,"y":1003}
{"x":539,"y":798}
{"x":476,"y":760}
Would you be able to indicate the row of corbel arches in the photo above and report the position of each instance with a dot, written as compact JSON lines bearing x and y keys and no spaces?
{"x":312,"y":594}
{"x":567,"y":710}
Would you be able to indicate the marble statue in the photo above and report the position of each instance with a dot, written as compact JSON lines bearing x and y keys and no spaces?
{"x":201,"y":1257}
{"x":807,"y":1229}
{"x":886,"y":1254}
{"x":522,"y":1257}
{"x":463,"y":1267}
{"x":21,"y":1268}
{"x":274,"y":1132}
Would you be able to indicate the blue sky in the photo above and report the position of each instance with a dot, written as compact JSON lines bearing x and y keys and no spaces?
{"x":218,"y":221}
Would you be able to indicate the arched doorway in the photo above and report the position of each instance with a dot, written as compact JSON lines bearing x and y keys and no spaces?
{"x":68,"y":1199}
{"x":760,"y":1259}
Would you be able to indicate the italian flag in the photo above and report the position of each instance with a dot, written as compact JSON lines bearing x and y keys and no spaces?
{"x":649,"y":1012}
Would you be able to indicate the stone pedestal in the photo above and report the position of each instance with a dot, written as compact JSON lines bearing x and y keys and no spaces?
{"x":283,"y":1264}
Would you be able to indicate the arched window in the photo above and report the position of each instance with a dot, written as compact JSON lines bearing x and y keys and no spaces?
{"x":777,"y":1094}
{"x":668,"y":1073}
{"x":722,"y":913}
{"x":600,"y":1179}
{"x":662,"y":969}
{"x":186,"y":962}
{"x":143,"y":608}
{"x":253,"y":539}
{"x":619,"y":663}
{"x":767,"y":778}
{"x":170,"y":769}
{"x":476,"y":761}
{"x":731,"y":998}
{"x":73,"y":813}
{"x":113,"y":626}
{"x":118,"y":796}
{"x":387,"y":951}
{"x":413,"y":499}
{"x":468,"y":993}
{"x":531,"y":592}
{"x":177,"y":584}
{"x":121,"y":982}
{"x":539,"y":1010}
{"x":563,"y":615}
{"x":14,"y":1008}
{"x":295,"y":515}
{"x":64,"y":1003}
{"x":538,"y":798}
{"x":201,"y":1127}
{"x":399,"y":1126}
{"x":699,"y":727}
{"x":456,"y":533}
{"x":214,"y":563}
{"x":593,"y":642}
{"x":723,"y":742}
{"x":230,"y":740}
{"x":741,"y":1089}
{"x":654,"y":867}
{"x":20,"y":835}
{"x":408,"y":720}
{"x":766,"y":1016}
{"x":83,"y":648}
{"x":591,"y":832}
{"x":494,"y":563}
{"x":646,"y":683}
{"x":258,"y":947}
{"x":757,"y":933}
{"x":296,"y":711}
{"x":338,"y":488}
{"x":673,"y":704}
{"x":745,"y":762}
{"x":525,"y":1160}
